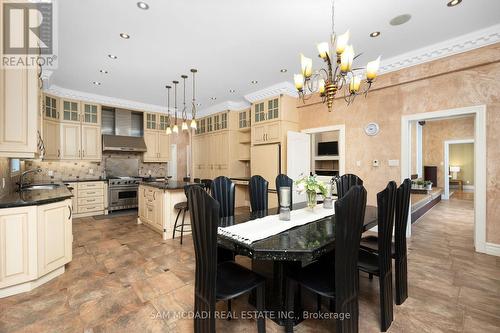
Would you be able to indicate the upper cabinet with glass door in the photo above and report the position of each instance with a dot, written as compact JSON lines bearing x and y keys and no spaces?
{"x":273,"y":109}
{"x":91,"y":114}
{"x":150,"y":121}
{"x":70,"y":111}
{"x":162,"y":122}
{"x":267,"y":110}
{"x":244,"y":119}
{"x":51,"y":108}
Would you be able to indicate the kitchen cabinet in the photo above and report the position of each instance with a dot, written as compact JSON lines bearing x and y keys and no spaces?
{"x":91,"y":114}
{"x":150,"y":120}
{"x":51,"y":139}
{"x":55,"y":236}
{"x":266,"y":133}
{"x":91,"y":143}
{"x":244,"y":119}
{"x":70,"y":111}
{"x":18,"y":245}
{"x":158,"y":146}
{"x":51,"y":108}
{"x":90,"y":198}
{"x":70,"y":141}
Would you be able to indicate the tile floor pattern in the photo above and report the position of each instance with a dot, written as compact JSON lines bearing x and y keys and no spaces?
{"x":123,"y":274}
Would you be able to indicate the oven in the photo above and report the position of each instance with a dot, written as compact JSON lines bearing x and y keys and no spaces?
{"x":122,"y":197}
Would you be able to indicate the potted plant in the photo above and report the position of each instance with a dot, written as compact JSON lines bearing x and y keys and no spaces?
{"x":311,"y":185}
{"x":428,"y":185}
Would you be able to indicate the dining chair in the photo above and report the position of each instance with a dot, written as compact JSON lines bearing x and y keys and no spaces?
{"x":338,"y":281}
{"x":182,"y":207}
{"x":197,"y":180}
{"x":258,"y":186}
{"x":223,"y":191}
{"x":186,"y":179}
{"x":284,"y":180}
{"x":345,"y":182}
{"x":380,"y":263}
{"x":215,"y":282}
{"x":398,"y":248}
{"x":207,"y":184}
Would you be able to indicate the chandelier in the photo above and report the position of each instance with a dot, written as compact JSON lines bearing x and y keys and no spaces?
{"x":193,"y":108}
{"x":169,"y":129}
{"x":175,"y":128}
{"x":184,"y":126}
{"x":339,"y":74}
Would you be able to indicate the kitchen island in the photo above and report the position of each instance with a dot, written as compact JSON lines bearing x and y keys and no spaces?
{"x":156,"y":205}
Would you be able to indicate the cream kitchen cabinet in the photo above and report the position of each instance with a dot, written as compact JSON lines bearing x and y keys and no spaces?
{"x":52,"y":139}
{"x":70,"y":141}
{"x":266,"y":133}
{"x":55,"y":236}
{"x":91,"y":143}
{"x":158,"y":146}
{"x":151,"y":207}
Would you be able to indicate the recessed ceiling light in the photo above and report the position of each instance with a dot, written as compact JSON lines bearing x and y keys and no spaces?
{"x":232,"y":90}
{"x":112,"y":56}
{"x":453,"y":3}
{"x":255,"y":81}
{"x":142,"y":5}
{"x":283,"y":70}
{"x":124,"y":35}
{"x":213,"y":98}
{"x":401,"y":19}
{"x":97,"y":83}
{"x":198,"y":104}
{"x":375,"y":34}
{"x":103,"y":71}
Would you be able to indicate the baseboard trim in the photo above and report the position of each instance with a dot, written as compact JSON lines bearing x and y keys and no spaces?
{"x":493,"y":249}
{"x":30,"y":285}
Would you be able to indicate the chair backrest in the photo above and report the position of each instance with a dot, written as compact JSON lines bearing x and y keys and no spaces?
{"x":223,"y":191}
{"x":188,"y":186}
{"x":186,"y":179}
{"x":349,"y":218}
{"x":401,"y":221}
{"x":197,"y":180}
{"x":204,"y":212}
{"x":284,"y":180}
{"x":345,"y":182}
{"x":208,"y":184}
{"x":386,"y":201}
{"x":258,"y":193}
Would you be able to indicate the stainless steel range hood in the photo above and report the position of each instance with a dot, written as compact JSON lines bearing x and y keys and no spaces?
{"x":122,"y":131}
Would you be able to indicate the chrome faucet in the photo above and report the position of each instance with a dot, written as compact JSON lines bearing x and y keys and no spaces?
{"x":23,"y":175}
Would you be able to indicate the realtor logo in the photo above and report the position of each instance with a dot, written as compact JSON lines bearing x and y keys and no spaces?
{"x":27,"y":34}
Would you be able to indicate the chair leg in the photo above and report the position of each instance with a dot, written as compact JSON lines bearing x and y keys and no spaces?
{"x":401,"y":272}
{"x":289,"y":300}
{"x":182,"y":225}
{"x":229,"y":309}
{"x":386,"y":301}
{"x":261,"y":297}
{"x":175,"y":224}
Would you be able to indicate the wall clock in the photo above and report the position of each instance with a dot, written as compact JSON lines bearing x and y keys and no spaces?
{"x":372,"y":129}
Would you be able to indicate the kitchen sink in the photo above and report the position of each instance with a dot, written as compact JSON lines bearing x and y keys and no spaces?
{"x":41,"y":187}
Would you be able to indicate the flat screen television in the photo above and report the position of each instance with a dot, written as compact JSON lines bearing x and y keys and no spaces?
{"x":330,"y":148}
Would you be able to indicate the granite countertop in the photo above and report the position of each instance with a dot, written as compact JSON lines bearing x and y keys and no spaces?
{"x":82,"y":180}
{"x":170,"y":185}
{"x":35,"y":197}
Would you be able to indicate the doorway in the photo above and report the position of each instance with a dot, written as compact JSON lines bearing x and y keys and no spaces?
{"x":458,"y":165}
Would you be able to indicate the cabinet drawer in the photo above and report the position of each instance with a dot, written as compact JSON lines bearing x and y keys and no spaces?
{"x":90,"y":185}
{"x":90,"y":193}
{"x":90,"y":200}
{"x":90,"y":208}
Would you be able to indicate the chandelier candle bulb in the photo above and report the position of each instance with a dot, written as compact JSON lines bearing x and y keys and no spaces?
{"x":355,"y":84}
{"x":346,"y":59}
{"x":321,"y":86}
{"x":372,"y":69}
{"x":176,"y":129}
{"x":193,"y":124}
{"x":323,"y":50}
{"x":184,"y":126}
{"x":299,"y":81}
{"x":306,"y":64}
{"x":342,"y":42}
{"x":169,"y":131}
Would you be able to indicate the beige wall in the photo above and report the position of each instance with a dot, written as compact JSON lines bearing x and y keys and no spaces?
{"x":435,"y":133}
{"x":462,"y":155}
{"x":462,"y":80}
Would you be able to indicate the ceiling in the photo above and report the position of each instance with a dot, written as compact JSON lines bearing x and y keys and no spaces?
{"x":233,"y":42}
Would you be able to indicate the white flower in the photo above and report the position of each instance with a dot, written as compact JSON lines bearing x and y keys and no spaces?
{"x":300,"y":188}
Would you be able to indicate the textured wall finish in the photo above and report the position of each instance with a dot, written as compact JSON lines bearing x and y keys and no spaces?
{"x":458,"y":81}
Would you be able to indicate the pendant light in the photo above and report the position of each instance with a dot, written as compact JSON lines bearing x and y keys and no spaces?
{"x":175,"y":129}
{"x":193,"y":108}
{"x":184,"y":110}
{"x":169,"y":129}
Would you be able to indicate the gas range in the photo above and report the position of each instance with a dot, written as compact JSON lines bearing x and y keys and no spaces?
{"x":122,"y":192}
{"x":124,"y":181}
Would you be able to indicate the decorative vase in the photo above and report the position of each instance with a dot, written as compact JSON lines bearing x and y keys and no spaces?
{"x":311,"y":199}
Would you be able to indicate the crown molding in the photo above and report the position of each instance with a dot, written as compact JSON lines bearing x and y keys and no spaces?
{"x":282,"y":88}
{"x":225,"y":106}
{"x":464,"y":43}
{"x":106,"y":100}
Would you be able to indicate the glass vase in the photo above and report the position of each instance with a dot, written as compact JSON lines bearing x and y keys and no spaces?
{"x":311,"y":199}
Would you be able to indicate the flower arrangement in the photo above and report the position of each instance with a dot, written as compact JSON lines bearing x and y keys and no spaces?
{"x":311,"y":185}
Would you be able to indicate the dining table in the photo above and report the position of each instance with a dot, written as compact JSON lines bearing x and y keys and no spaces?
{"x":282,"y":254}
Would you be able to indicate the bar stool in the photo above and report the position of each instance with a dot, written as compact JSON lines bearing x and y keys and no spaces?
{"x":182,"y":207}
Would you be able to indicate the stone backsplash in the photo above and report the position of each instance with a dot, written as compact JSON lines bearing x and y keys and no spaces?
{"x":10,"y":180}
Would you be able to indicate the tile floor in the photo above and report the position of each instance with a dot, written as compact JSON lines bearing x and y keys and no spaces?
{"x":122,"y":275}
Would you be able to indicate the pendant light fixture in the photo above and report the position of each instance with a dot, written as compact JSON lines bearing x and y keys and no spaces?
{"x":193,"y":108}
{"x":184,"y":109}
{"x":175,"y":129}
{"x":169,"y":128}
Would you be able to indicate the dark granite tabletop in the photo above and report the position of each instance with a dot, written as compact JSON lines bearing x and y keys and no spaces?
{"x":170,"y":185}
{"x":303,"y":243}
{"x":35,"y":197}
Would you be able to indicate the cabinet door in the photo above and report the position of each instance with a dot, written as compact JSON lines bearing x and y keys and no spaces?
{"x":258,"y":134}
{"x":70,"y":111}
{"x":51,"y":139}
{"x":91,"y":143}
{"x":70,"y":141}
{"x":223,"y":143}
{"x":150,"y":121}
{"x":158,"y":207}
{"x":141,"y":196}
{"x":91,"y":114}
{"x":163,"y":147}
{"x":273,"y":108}
{"x":273,"y":132}
{"x":149,"y":214}
{"x":18,"y":262}
{"x":259,"y":114}
{"x":151,"y":139}
{"x":51,"y":110}
{"x":54,"y":236}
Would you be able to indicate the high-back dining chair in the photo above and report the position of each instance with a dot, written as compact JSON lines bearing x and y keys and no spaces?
{"x":213,"y":281}
{"x":345,"y":182}
{"x":223,"y":191}
{"x":339,"y":281}
{"x":207,"y":183}
{"x":281,"y":181}
{"x":380,"y":263}
{"x":258,"y":187}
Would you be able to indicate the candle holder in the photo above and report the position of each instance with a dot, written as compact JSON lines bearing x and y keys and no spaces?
{"x":327,"y":201}
{"x":284,"y":203}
